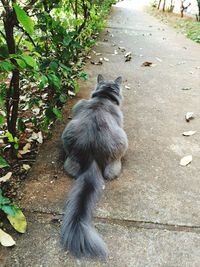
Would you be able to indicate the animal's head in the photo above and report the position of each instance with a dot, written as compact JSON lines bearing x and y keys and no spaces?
{"x":108,"y":89}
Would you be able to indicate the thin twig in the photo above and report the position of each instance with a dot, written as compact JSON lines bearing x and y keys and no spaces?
{"x":4,"y":36}
{"x":27,"y":34}
{"x":32,"y":2}
{"x":17,"y":46}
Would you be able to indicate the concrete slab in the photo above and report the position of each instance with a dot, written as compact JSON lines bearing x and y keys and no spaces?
{"x":129,"y":247}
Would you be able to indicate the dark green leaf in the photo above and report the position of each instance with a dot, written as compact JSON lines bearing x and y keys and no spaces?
{"x":54,"y":80}
{"x":2,"y":119}
{"x":84,"y":76}
{"x":53,"y":66}
{"x":16,"y":146}
{"x":58,"y":113}
{"x":44,"y":81}
{"x":3,"y":163}
{"x":4,"y":51}
{"x":4,"y":200}
{"x":63,"y":98}
{"x":65,"y":67}
{"x":21,"y":125}
{"x":67,"y":40}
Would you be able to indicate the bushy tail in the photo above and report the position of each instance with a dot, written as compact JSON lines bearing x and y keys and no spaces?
{"x":77,"y":233}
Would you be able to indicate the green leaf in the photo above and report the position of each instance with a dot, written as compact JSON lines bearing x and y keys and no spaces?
{"x":58,"y":113}
{"x":18,"y":221}
{"x":10,"y":137}
{"x":21,"y":63}
{"x":21,"y":125}
{"x":24,"y":19}
{"x":6,"y":66}
{"x":29,"y":60}
{"x":67,"y":40}
{"x":44,"y":81}
{"x":63,"y":98}
{"x":2,"y":119}
{"x":4,"y":200}
{"x":9,"y":210}
{"x":65,"y":67}
{"x":53,"y":66}
{"x":54,"y":80}
{"x":3,"y":163}
{"x":83,"y":76}
{"x":4,"y":51}
{"x":76,"y":87}
{"x":16,"y":146}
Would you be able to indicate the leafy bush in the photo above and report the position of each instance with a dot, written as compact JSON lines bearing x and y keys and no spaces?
{"x":41,"y":47}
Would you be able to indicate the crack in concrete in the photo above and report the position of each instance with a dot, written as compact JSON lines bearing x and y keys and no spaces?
{"x":149,"y":225}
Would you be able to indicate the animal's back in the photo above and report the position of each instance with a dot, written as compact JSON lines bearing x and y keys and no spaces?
{"x":97,"y":129}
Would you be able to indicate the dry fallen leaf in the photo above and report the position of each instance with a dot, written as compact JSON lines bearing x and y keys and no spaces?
{"x":189,"y":133}
{"x":6,"y":240}
{"x":105,"y":59}
{"x":36,"y":136}
{"x":186,"y":88}
{"x":97,"y":63}
{"x":128,"y":56}
{"x":36,"y":111}
{"x":146,"y":64}
{"x":159,"y":59}
{"x":71,"y":93}
{"x":186,"y":160}
{"x":189,"y":116}
{"x":26,"y":167}
{"x":25,"y":150}
{"x":123,"y":49}
{"x":40,"y":138}
{"x":6,"y":177}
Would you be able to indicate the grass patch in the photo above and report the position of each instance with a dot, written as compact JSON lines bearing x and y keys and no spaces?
{"x":186,"y":25}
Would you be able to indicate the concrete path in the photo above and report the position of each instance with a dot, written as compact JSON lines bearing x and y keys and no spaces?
{"x":150,"y":215}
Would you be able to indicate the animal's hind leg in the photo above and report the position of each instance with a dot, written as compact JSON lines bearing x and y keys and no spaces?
{"x":71,"y":167}
{"x":112,"y":170}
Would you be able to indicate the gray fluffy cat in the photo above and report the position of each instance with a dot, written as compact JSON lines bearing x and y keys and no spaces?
{"x":94,"y":143}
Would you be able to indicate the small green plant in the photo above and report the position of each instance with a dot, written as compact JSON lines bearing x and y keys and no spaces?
{"x":15,"y":217}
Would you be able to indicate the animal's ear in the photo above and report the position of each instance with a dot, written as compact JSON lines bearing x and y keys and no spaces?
{"x":100,"y":78}
{"x":118,"y":80}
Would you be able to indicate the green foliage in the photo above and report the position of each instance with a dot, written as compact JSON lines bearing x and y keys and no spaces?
{"x":50,"y":39}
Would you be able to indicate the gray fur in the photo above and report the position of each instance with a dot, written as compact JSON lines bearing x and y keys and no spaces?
{"x":94,"y":142}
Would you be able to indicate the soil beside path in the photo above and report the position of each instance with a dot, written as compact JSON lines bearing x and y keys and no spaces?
{"x":150,"y":215}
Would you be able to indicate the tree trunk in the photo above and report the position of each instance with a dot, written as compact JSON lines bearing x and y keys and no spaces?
{"x":12,"y":97}
{"x":164,"y":2}
{"x":159,"y":4}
